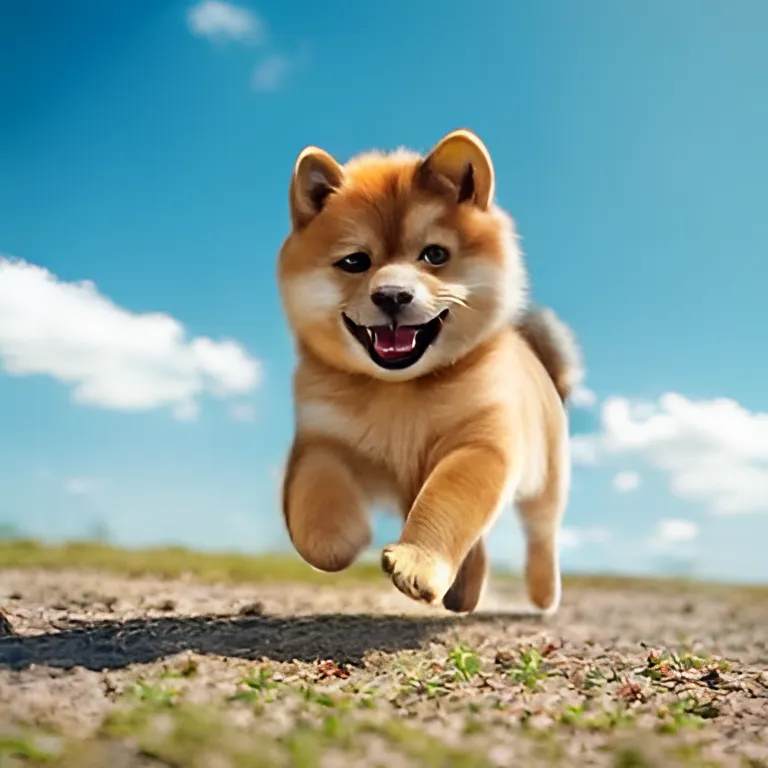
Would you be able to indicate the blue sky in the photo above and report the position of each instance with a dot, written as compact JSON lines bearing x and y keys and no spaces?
{"x":146,"y":147}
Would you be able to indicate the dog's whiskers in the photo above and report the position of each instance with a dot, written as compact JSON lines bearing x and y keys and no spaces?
{"x":452,"y":298}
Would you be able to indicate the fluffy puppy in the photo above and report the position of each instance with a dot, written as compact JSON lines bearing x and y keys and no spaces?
{"x":423,"y":379}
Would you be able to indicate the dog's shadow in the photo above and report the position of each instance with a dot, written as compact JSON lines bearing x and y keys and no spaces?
{"x":342,"y":637}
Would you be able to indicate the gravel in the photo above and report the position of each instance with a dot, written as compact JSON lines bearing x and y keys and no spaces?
{"x":292,"y":674}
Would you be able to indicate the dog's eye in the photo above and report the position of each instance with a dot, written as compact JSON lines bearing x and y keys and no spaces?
{"x":355,"y":262}
{"x":435,"y":255}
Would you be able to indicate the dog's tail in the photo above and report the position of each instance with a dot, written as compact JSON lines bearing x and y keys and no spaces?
{"x":554,"y":343}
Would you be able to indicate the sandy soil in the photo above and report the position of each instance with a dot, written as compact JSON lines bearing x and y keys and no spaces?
{"x":96,"y":669}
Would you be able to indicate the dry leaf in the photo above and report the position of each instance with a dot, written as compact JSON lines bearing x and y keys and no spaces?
{"x":330,"y":668}
{"x":550,"y":648}
{"x":630,"y":691}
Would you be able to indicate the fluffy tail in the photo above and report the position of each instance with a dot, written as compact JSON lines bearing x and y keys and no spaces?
{"x":554,"y":343}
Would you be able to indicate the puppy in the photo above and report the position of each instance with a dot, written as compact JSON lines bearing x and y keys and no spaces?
{"x":424,"y":379}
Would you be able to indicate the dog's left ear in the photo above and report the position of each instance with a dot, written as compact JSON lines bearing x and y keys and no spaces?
{"x":459,"y":166}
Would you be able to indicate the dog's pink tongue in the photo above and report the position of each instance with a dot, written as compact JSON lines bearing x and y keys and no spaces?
{"x":393,"y":343}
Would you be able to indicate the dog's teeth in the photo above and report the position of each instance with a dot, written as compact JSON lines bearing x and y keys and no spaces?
{"x":370,"y":334}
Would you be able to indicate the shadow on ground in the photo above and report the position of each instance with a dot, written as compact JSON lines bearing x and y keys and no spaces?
{"x":341,"y":637}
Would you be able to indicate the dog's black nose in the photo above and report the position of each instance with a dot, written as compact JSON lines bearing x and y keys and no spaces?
{"x":391,"y":298}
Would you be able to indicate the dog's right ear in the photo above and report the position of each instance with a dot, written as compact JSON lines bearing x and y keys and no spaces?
{"x":316,"y":175}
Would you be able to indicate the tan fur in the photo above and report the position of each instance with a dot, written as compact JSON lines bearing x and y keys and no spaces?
{"x":478,"y":422}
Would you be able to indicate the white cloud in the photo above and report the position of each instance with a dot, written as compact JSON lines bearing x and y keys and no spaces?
{"x":80,"y":486}
{"x":188,"y":410}
{"x":675,"y":538}
{"x":571,"y":538}
{"x":626,"y":482}
{"x":713,"y":451}
{"x":677,"y":531}
{"x":111,"y":357}
{"x":584,"y":449}
{"x":271,"y":74}
{"x":242,"y":412}
{"x":219,"y":20}
{"x":583,"y":397}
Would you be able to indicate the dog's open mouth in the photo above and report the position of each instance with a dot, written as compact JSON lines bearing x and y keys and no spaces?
{"x":399,"y":346}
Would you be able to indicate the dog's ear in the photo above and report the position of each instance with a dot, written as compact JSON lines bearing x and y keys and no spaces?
{"x":316,"y":175}
{"x":459,"y":166}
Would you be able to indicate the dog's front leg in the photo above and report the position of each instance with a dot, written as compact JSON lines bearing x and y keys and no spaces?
{"x":454,"y":507}
{"x":324,"y":506}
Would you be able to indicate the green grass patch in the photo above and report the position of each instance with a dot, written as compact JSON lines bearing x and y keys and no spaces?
{"x":228,"y":567}
{"x":188,"y":736}
{"x":433,"y":679}
{"x":425,"y":749}
{"x":687,"y":712}
{"x":28,"y":748}
{"x":154,"y":694}
{"x":528,"y":669}
{"x":173,"y":562}
{"x":631,"y":757}
{"x":597,"y":720}
{"x":664,"y":585}
{"x":464,"y":661}
{"x":663,"y":666}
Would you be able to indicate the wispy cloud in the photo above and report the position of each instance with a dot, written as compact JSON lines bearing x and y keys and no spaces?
{"x":674,"y":545}
{"x":675,"y":540}
{"x":583,"y":397}
{"x":188,"y":410}
{"x":112,"y":357}
{"x":271,"y":73}
{"x":677,"y":531}
{"x":712,"y":451}
{"x":242,"y":412}
{"x":80,"y":486}
{"x":275,"y":70}
{"x":626,"y":482}
{"x":584,"y":449}
{"x":219,"y":21}
{"x":571,"y":538}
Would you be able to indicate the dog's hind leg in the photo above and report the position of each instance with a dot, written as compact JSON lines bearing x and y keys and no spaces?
{"x":541,"y":516}
{"x":467,"y":588}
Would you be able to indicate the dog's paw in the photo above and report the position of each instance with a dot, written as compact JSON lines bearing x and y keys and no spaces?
{"x":416,"y":572}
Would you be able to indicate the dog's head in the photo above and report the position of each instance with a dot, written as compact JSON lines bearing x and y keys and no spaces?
{"x":399,"y":264}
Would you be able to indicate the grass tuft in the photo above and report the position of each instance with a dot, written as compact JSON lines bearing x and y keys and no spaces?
{"x":465,"y":661}
{"x":528,"y":670}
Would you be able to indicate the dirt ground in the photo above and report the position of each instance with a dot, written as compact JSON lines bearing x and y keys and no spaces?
{"x":97,"y":669}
